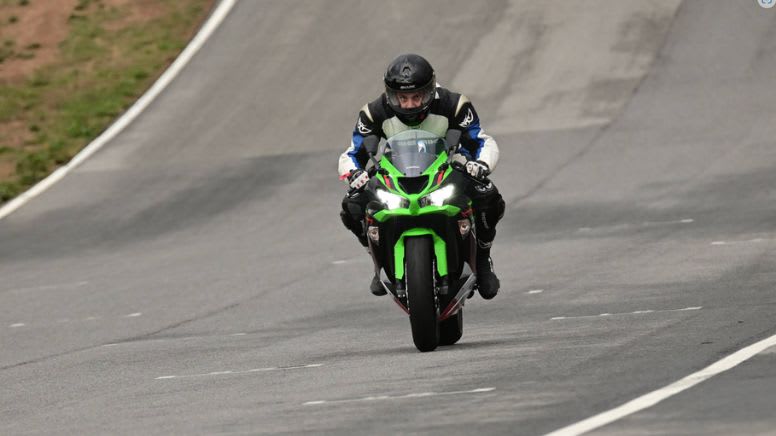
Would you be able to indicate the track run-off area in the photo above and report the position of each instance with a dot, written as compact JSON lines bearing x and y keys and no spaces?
{"x":188,"y":272}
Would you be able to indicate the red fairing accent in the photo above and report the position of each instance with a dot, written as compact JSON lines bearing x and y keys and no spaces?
{"x":344,"y":176}
{"x":467,"y":212}
{"x":448,"y":312}
{"x":439,"y":178}
{"x":387,"y":182}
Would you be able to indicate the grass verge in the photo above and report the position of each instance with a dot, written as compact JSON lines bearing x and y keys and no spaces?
{"x":113,"y":51}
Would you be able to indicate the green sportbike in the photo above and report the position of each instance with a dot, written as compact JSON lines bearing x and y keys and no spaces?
{"x":421,"y":233}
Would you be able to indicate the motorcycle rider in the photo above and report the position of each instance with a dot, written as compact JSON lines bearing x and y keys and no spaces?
{"x":413,"y":100}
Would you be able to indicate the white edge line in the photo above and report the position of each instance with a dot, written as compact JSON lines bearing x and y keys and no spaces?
{"x":654,"y":397}
{"x":398,"y":397}
{"x":136,"y":109}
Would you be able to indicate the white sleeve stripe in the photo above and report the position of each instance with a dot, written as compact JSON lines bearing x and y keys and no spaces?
{"x":367,"y":112}
{"x":488,"y":151}
{"x":346,"y":160}
{"x":461,"y":101}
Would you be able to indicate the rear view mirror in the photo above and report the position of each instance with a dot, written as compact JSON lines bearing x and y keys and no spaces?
{"x":452,"y":138}
{"x":370,"y":144}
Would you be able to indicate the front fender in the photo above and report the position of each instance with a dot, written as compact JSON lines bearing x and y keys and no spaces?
{"x":440,"y":251}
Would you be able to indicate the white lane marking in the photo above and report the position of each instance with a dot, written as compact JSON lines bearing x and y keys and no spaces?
{"x":662,"y":223}
{"x":188,"y":338}
{"x":140,"y":105}
{"x":339,"y":262}
{"x":635,"y":312}
{"x":87,"y":319}
{"x":249,"y":371}
{"x":654,"y":397}
{"x":633,"y":225}
{"x":47,"y":287}
{"x":535,"y":291}
{"x":748,"y":241}
{"x":17,"y":325}
{"x":398,"y":397}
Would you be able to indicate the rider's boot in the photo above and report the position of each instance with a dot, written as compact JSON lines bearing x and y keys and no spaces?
{"x":487,"y":282}
{"x":376,"y":287}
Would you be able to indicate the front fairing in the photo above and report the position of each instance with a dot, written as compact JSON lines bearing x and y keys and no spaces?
{"x":412,"y":168}
{"x":434,"y":178}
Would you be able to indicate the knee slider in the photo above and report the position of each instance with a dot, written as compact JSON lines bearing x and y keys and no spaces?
{"x":499,"y":209}
{"x":346,"y":219}
{"x":492,"y":211}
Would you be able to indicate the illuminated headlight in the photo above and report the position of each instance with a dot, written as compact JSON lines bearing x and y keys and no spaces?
{"x":438,"y":197}
{"x":391,"y":200}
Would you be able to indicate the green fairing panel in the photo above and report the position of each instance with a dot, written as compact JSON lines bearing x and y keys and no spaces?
{"x":386,"y":214}
{"x":430,"y":172}
{"x":434,"y":167}
{"x":388,"y":166}
{"x":414,"y":199}
{"x":440,"y":251}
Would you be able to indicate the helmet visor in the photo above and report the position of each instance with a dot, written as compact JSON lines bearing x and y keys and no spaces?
{"x":411,"y":101}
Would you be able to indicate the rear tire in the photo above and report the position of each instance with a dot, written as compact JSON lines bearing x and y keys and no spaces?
{"x":420,"y":293}
{"x":451,"y":329}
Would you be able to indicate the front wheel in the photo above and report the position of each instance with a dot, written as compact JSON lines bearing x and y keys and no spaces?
{"x":420,"y":293}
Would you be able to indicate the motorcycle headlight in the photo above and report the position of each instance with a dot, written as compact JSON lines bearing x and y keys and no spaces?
{"x":438,"y":197}
{"x":391,"y":200}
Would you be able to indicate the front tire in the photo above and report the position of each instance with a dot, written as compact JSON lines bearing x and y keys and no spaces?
{"x":420,"y":293}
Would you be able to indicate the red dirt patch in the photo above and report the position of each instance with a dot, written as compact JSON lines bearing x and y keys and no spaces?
{"x":7,"y":168}
{"x":14,"y":133}
{"x":138,"y":11}
{"x":37,"y":31}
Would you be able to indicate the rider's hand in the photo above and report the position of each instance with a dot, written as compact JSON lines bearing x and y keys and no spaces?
{"x":477,"y":169}
{"x":358,"y":179}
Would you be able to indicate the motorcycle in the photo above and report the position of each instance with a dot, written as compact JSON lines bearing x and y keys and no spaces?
{"x":421,"y":231}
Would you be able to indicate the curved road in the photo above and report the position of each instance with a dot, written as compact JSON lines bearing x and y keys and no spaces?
{"x":193,"y":275}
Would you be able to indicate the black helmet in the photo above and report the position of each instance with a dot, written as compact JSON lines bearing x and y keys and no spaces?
{"x":410,"y":73}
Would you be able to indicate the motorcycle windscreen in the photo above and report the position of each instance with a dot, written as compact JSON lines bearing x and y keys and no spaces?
{"x":413,"y":151}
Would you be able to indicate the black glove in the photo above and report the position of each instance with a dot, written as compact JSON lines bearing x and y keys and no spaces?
{"x":477,"y":169}
{"x":358,"y":179}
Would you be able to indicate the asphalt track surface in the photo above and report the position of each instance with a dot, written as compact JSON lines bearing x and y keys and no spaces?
{"x":193,"y":275}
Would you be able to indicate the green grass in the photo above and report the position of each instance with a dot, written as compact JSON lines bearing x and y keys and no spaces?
{"x":100,"y":74}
